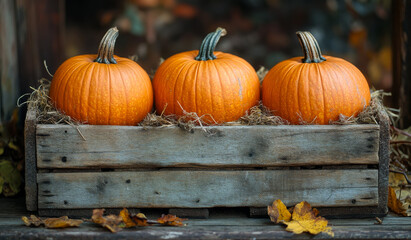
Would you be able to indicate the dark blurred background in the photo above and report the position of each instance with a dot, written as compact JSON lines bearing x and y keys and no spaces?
{"x":364,"y":32}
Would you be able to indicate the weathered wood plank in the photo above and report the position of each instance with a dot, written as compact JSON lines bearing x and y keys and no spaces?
{"x":204,"y":189}
{"x":384,"y":162}
{"x":61,"y":146}
{"x":30,"y":159}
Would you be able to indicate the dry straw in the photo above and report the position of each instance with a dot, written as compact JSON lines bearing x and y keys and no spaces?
{"x":257,"y":115}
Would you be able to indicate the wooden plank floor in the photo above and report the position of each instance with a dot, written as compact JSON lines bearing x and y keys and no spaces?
{"x":227,"y":224}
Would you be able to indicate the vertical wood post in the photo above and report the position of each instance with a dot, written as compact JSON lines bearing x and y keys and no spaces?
{"x":402,"y":60}
{"x":9,"y":90}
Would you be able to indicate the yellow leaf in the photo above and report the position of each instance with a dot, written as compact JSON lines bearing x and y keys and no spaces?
{"x":32,"y":220}
{"x":141,"y":220}
{"x":278,"y":212}
{"x":125,"y":215}
{"x":111,"y":222}
{"x":394,"y":203}
{"x":61,"y":222}
{"x":171,"y":220}
{"x":313,"y":226}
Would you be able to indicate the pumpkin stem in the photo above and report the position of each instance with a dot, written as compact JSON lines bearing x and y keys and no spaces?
{"x":106,"y":49}
{"x":311,"y":49}
{"x":208,"y":45}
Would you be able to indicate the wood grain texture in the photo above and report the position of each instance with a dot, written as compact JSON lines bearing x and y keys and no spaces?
{"x":30,"y":159}
{"x":205,"y":189}
{"x":61,"y":146}
{"x":384,"y":162}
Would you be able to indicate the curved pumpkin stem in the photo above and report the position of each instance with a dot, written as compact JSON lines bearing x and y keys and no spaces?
{"x":208,"y":45}
{"x":106,"y":49}
{"x":311,"y":49}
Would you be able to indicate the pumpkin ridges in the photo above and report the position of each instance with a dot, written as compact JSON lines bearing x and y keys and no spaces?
{"x":221,"y":93}
{"x":59,"y":98}
{"x":125,"y":93}
{"x":69,"y":91}
{"x":171,"y":105}
{"x":78,"y":109}
{"x":85,"y":93}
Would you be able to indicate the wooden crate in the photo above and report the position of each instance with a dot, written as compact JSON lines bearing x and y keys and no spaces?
{"x":341,"y":169}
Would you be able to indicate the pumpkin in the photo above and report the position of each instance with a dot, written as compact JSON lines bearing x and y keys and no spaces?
{"x":218,"y":87}
{"x":314,"y":89}
{"x":102,"y":89}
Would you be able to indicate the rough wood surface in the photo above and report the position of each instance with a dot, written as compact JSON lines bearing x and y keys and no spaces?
{"x":205,"y":189}
{"x":384,"y":162}
{"x":61,"y":146}
{"x":30,"y":159}
{"x":222,"y":224}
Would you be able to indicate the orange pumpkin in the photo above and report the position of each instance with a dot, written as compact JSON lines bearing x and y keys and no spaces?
{"x":316,"y":88}
{"x":102,"y":89}
{"x":218,"y":86}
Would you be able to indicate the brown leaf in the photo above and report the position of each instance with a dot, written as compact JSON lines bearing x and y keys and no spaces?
{"x":61,"y":222}
{"x":394,"y":203}
{"x":125,"y":215}
{"x":32,"y":221}
{"x":141,"y":220}
{"x":111,"y":222}
{"x":278,"y":212}
{"x":171,"y":220}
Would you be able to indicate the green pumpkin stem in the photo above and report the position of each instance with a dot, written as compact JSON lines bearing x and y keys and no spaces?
{"x":106,"y":49}
{"x":311,"y":49}
{"x":208,"y":45}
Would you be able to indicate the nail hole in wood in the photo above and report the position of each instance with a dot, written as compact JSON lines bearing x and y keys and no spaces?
{"x":128,"y":181}
{"x":65,"y":202}
{"x":198,"y":200}
{"x":353,"y":201}
{"x":65,"y":131}
{"x":64,"y":159}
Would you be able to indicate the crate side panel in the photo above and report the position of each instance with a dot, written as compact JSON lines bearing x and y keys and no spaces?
{"x":61,"y":146}
{"x":204,"y":189}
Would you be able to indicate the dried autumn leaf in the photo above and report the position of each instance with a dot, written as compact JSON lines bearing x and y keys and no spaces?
{"x":32,"y":221}
{"x":394,"y":203}
{"x":125,"y":215}
{"x":141,"y":220}
{"x":304,"y":220}
{"x":111,"y":222}
{"x":171,"y":220}
{"x":61,"y":222}
{"x":278,"y":212}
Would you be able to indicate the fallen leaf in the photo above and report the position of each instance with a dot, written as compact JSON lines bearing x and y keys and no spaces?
{"x":278,"y":212}
{"x":11,"y":178}
{"x":141,"y":220}
{"x":32,"y":221}
{"x":394,"y":204}
{"x":304,"y":219}
{"x":61,"y":222}
{"x":125,"y":215}
{"x":111,"y":222}
{"x":171,"y":220}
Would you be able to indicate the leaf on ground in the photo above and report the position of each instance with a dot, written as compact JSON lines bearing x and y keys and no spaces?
{"x":61,"y":222}
{"x":141,"y":220}
{"x":278,"y":212}
{"x":111,"y":222}
{"x":125,"y":215}
{"x":394,"y":204}
{"x":32,"y":221}
{"x":11,"y":178}
{"x":302,"y":219}
{"x":171,"y":220}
